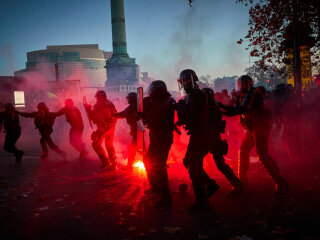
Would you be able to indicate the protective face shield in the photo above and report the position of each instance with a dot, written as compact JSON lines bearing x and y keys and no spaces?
{"x":68,"y":103}
{"x":245,"y":83}
{"x":187,"y":79}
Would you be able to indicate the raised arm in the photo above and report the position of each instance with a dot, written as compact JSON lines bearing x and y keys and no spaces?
{"x":122,"y":114}
{"x":61,"y":112}
{"x":25,"y":114}
{"x":237,"y":109}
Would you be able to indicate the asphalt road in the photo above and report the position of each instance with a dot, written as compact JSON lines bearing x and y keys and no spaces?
{"x":74,"y":199}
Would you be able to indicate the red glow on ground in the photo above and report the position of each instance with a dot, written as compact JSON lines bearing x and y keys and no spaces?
{"x":139,"y":166}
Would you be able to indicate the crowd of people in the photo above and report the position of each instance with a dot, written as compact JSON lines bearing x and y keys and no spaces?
{"x":203,"y":115}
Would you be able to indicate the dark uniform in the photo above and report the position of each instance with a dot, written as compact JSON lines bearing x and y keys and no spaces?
{"x":193,"y":113}
{"x":256,"y":120}
{"x":219,"y":148}
{"x":13,"y":131}
{"x":44,"y":120}
{"x":103,"y":115}
{"x":158,"y":116}
{"x":130,"y":114}
{"x":73,"y":116}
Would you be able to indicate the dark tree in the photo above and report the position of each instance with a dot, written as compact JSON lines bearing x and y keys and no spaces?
{"x":272,"y":24}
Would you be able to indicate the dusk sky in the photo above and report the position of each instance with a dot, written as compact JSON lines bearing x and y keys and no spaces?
{"x":165,"y":36}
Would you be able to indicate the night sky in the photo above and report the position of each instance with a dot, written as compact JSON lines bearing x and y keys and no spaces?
{"x":165,"y":36}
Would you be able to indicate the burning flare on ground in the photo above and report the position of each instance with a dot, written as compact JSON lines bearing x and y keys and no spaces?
{"x":139,"y":165}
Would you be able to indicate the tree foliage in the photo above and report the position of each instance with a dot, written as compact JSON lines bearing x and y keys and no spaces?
{"x":270,"y":28}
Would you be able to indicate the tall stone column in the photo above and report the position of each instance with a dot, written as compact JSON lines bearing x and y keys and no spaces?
{"x":122,"y":71}
{"x":119,"y":41}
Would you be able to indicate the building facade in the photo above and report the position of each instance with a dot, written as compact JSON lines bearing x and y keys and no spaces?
{"x":83,"y":63}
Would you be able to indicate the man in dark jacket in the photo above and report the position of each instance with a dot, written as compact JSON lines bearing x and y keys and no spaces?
{"x":103,"y":115}
{"x":219,"y":148}
{"x":13,"y":130}
{"x":44,"y":120}
{"x":74,"y":118}
{"x":193,"y":113}
{"x":158,"y":116}
{"x":256,"y":121}
{"x":130,"y":114}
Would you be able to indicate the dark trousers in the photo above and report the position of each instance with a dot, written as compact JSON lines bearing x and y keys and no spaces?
{"x":46,"y":141}
{"x":75,"y":138}
{"x":197,"y":149}
{"x":225,"y":169}
{"x":97,"y":139}
{"x":259,"y":138}
{"x":10,"y":141}
{"x":132,"y":151}
{"x":155,"y":162}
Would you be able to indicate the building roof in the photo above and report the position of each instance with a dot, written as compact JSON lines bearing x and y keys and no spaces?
{"x":90,"y":51}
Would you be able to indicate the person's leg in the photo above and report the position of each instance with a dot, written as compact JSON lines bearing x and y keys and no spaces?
{"x":132,"y":150}
{"x":110,"y":148}
{"x":261,"y":141}
{"x":224,"y":168}
{"x":197,"y":149}
{"x":44,"y":147}
{"x":244,"y":157}
{"x":76,"y":141}
{"x":97,"y":139}
{"x":161,"y":174}
{"x":55,"y":148}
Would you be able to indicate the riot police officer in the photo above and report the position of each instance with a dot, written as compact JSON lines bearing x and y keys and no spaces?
{"x":103,"y":115}
{"x":193,"y":113}
{"x":158,"y":116}
{"x":219,"y":148}
{"x":130,"y":114}
{"x":255,"y":119}
{"x":74,"y":118}
{"x":12,"y":128}
{"x":44,"y":120}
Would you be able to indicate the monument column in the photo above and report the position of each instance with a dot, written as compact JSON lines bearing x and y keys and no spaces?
{"x":122,"y":71}
{"x":119,"y":41}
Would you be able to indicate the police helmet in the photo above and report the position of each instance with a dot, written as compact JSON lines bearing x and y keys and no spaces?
{"x":68,"y":102}
{"x":132,"y":97}
{"x":158,"y":88}
{"x":187,"y":79}
{"x":42,"y":106}
{"x":101,"y":93}
{"x":245,"y":82}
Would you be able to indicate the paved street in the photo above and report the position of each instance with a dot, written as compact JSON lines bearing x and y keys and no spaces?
{"x":56,"y":199}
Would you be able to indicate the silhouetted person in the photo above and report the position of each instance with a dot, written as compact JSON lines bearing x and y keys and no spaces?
{"x":74,"y":118}
{"x":12,"y":129}
{"x":193,"y":113}
{"x":219,"y":148}
{"x":256,"y":120}
{"x":158,"y":116}
{"x":130,"y":114}
{"x":44,"y":120}
{"x":103,"y":115}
